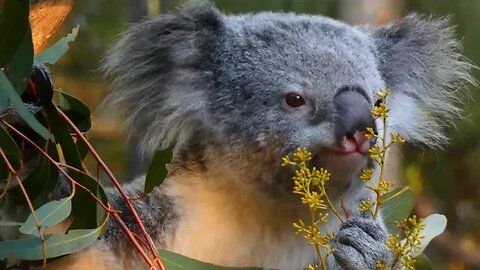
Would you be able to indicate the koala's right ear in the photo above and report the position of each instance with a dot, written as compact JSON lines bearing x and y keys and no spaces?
{"x":160,"y":72}
{"x":420,"y":59}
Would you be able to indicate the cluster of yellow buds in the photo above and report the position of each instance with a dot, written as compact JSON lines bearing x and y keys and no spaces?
{"x":309,"y":184}
{"x":402,"y":249}
{"x":378,"y":155}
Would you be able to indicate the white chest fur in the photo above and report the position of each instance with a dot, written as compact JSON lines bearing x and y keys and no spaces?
{"x":233,"y":225}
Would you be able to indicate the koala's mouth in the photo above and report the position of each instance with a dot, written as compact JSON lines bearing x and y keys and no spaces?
{"x":347,"y":157}
{"x":353,"y":144}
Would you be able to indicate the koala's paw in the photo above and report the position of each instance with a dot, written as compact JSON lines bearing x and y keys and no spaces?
{"x":359,"y":244}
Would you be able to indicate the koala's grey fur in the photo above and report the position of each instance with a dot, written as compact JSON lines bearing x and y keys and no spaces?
{"x":212,"y":85}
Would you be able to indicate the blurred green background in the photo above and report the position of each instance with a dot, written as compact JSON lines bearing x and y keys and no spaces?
{"x":443,"y":181}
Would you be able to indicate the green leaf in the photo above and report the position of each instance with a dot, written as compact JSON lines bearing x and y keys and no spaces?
{"x":174,"y":261}
{"x":85,"y":212}
{"x":55,"y":52}
{"x":62,"y":135}
{"x":4,"y":223}
{"x":76,"y":111}
{"x":56,"y":244}
{"x":82,"y":149}
{"x":13,"y":24}
{"x":11,"y":150}
{"x":397,"y":208}
{"x":157,"y":170}
{"x":20,"y":68}
{"x":21,"y":109}
{"x":435,"y":224}
{"x":48,"y":215}
{"x":422,"y":262}
{"x":39,"y":184}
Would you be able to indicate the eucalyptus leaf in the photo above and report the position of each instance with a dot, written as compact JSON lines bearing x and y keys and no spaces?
{"x":57,"y":50}
{"x":85,"y":212}
{"x":5,"y":223}
{"x":13,"y":24}
{"x":157,"y":171}
{"x":11,"y":150}
{"x":174,"y":261}
{"x":396,"y":208}
{"x":62,"y":135}
{"x":76,"y":111}
{"x":435,"y":224}
{"x":56,"y":244}
{"x":37,"y":179}
{"x":20,"y":108}
{"x":82,"y":149}
{"x":20,"y":67}
{"x":48,"y":215}
{"x":40,"y":186}
{"x":422,"y":262}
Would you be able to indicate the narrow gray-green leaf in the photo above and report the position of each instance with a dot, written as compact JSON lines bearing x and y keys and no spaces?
{"x":396,"y":209}
{"x":49,"y":215}
{"x":13,"y":23}
{"x":174,"y":261}
{"x":11,"y":150}
{"x":20,"y":67}
{"x":20,"y":108}
{"x":57,"y":50}
{"x":56,"y":244}
{"x":157,"y":170}
{"x":435,"y":224}
{"x":422,"y":262}
{"x":5,"y":223}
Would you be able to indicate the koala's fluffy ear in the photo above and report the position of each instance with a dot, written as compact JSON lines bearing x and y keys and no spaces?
{"x":159,"y":70}
{"x":420,"y":60}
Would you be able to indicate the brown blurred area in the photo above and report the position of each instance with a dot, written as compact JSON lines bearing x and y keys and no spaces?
{"x":446,"y":181}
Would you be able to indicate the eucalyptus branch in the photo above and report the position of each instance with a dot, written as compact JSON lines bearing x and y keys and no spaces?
{"x":117,"y":184}
{"x":13,"y":172}
{"x":108,"y":209}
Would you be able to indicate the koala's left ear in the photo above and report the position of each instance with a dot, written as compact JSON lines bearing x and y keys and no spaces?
{"x":420,"y":60}
{"x":160,"y":71}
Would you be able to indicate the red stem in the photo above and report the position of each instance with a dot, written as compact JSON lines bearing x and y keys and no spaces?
{"x":342,"y":205}
{"x":30,"y":206}
{"x":117,"y":184}
{"x":109,"y":210}
{"x":138,"y":247}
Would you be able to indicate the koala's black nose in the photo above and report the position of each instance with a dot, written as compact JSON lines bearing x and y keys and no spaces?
{"x":353,"y":111}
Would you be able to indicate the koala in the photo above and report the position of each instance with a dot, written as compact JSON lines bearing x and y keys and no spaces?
{"x":234,"y":94}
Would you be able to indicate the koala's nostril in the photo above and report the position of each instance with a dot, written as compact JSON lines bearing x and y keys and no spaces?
{"x":353,"y":112}
{"x":350,"y":135}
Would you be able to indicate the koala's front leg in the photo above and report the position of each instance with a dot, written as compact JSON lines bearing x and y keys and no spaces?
{"x":359,"y":244}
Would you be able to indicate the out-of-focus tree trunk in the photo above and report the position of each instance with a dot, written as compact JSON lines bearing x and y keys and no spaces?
{"x":370,"y":11}
{"x":376,"y":12}
{"x":137,"y":9}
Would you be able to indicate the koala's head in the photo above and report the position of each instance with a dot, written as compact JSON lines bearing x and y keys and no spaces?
{"x":200,"y":79}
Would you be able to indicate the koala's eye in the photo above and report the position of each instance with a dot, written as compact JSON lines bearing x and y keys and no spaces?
{"x":294,"y":100}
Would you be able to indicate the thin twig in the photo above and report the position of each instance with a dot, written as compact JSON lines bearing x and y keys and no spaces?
{"x":342,"y":205}
{"x":7,"y":185}
{"x":133,"y":239}
{"x":55,"y":163}
{"x":330,"y":204}
{"x":117,"y":184}
{"x":113,"y":212}
{"x":30,"y":206}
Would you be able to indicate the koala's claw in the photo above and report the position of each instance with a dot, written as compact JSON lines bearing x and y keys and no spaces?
{"x":359,"y":244}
